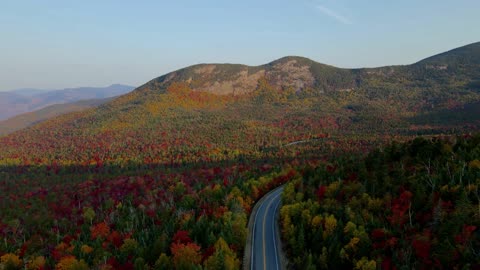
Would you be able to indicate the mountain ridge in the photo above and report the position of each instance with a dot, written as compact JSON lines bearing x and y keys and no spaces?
{"x":303,"y":72}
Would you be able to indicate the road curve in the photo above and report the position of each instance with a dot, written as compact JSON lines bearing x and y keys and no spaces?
{"x":265,"y":253}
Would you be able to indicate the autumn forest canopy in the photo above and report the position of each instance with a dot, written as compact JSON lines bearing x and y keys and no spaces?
{"x":381,"y":168}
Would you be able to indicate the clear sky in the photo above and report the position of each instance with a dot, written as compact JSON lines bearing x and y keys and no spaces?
{"x":59,"y":44}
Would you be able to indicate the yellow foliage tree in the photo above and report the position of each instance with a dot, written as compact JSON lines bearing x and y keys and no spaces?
{"x":223,"y":258}
{"x":366,"y":264}
{"x":71,"y":263}
{"x":330,"y":226}
{"x":10,"y":261}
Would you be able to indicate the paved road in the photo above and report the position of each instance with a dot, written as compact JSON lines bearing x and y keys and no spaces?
{"x":303,"y":141}
{"x":265,"y":244}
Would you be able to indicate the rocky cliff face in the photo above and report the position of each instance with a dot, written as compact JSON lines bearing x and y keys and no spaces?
{"x":225,"y":79}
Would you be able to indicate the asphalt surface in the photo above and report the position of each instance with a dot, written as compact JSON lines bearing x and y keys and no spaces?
{"x":265,"y":246}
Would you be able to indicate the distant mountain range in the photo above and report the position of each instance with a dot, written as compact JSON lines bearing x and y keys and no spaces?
{"x":20,"y":101}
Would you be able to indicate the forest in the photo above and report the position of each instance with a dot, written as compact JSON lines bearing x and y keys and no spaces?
{"x":412,"y":205}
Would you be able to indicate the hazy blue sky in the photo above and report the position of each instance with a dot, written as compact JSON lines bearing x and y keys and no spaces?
{"x":58,"y":44}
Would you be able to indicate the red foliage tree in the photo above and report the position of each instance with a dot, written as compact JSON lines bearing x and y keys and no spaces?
{"x":181,"y":237}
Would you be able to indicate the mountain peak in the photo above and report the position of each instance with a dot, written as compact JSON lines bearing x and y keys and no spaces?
{"x":287,"y":72}
{"x":290,"y":58}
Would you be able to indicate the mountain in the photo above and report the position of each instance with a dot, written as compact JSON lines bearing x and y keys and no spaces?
{"x":27,"y":119}
{"x":289,"y":71}
{"x":436,"y":94}
{"x":458,"y":68}
{"x":377,"y":97}
{"x":384,"y":98}
{"x":282,"y":96}
{"x":27,"y":100}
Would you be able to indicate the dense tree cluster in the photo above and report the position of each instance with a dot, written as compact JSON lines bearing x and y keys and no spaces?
{"x":414,"y":205}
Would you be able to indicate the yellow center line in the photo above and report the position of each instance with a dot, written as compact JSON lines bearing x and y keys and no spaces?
{"x":263,"y":229}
